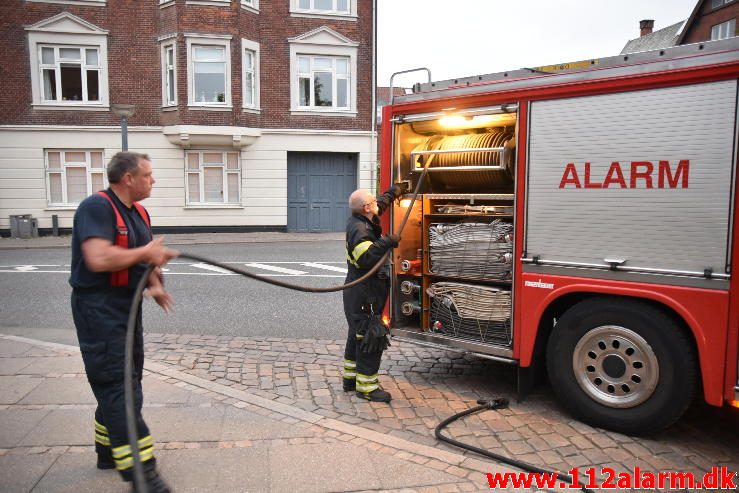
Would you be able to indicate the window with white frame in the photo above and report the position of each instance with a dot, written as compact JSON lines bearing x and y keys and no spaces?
{"x":250,"y":3}
{"x":72,"y":175}
{"x":250,"y":68}
{"x":724,"y":30}
{"x":324,"y":6}
{"x":169,"y":75}
{"x":209,"y":71}
{"x":208,"y":2}
{"x":323,"y":73}
{"x":323,"y":81}
{"x":69,"y":73}
{"x":213,"y":177}
{"x":68,"y":63}
{"x":100,"y":3}
{"x":719,"y":3}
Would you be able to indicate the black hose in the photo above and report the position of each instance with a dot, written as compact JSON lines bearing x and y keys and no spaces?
{"x":131,"y":425}
{"x":495,"y":404}
{"x":138,"y":471}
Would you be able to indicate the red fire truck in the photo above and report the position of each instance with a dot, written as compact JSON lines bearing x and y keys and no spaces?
{"x":578,"y":218}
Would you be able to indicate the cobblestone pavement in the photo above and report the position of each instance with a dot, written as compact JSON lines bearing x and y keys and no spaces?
{"x":429,"y":385}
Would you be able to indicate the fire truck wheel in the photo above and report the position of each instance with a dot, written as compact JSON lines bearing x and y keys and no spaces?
{"x":622,"y":365}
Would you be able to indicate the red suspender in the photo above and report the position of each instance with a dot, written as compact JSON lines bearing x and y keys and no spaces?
{"x":120,"y":278}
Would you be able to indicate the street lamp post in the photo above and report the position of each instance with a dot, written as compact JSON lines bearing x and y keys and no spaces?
{"x":124,"y":112}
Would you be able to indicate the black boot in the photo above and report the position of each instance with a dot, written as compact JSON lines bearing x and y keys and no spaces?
{"x":105,"y":462}
{"x":154,"y":482}
{"x":105,"y":457}
{"x":377,"y":395}
{"x":349,"y":384}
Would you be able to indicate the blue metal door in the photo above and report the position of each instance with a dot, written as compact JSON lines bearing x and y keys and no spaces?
{"x":318,"y":188}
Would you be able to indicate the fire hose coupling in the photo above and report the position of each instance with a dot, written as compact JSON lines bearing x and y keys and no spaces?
{"x":409,"y":287}
{"x":499,"y":403}
{"x":408,"y":308}
{"x":410,"y":265}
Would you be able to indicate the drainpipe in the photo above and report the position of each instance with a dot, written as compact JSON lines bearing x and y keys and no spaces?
{"x":373,"y":138}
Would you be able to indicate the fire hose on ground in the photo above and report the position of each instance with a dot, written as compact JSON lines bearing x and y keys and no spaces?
{"x":138,"y":471}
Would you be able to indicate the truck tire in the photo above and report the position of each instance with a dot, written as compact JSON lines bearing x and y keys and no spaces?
{"x":622,"y":365}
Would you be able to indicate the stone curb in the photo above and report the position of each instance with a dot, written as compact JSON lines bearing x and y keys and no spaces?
{"x":385,"y":440}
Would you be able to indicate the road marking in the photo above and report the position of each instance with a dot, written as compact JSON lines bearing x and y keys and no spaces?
{"x":276,"y":269}
{"x":214,"y":269}
{"x":36,"y":271}
{"x":325,"y":267}
{"x":26,"y":268}
{"x":220,"y":274}
{"x":26,"y":265}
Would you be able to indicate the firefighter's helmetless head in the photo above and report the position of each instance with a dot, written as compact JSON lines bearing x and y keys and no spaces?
{"x":363,"y":202}
{"x":132,"y":171}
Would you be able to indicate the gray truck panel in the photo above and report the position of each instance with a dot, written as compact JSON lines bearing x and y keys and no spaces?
{"x":674,"y":229}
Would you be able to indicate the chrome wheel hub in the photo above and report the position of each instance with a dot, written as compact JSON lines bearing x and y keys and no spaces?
{"x":615,"y":366}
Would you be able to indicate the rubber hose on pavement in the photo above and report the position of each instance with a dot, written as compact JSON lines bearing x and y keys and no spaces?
{"x":484,"y":405}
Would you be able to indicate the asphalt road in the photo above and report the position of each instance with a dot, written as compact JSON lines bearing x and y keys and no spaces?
{"x":34,"y":292}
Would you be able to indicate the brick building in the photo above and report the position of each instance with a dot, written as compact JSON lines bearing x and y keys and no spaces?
{"x":257,"y":114}
{"x":710,"y":20}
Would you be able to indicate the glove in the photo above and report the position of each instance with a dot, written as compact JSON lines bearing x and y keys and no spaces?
{"x":393,"y":240}
{"x":396,"y":190}
{"x":376,"y":334}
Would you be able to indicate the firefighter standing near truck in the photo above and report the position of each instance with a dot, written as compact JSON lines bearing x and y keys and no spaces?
{"x":365,"y":246}
{"x":111,"y":245}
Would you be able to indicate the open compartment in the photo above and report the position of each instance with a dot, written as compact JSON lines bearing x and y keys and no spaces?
{"x":453,"y":269}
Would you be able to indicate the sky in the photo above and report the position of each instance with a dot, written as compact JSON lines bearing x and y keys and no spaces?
{"x":458,"y":38}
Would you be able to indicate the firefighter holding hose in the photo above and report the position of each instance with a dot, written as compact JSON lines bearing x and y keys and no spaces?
{"x":111,"y":245}
{"x":363,"y":303}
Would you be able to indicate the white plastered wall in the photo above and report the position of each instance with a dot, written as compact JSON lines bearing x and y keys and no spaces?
{"x":264,"y":173}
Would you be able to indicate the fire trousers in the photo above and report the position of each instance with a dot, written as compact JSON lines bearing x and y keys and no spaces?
{"x":101,"y":317}
{"x":369,"y":296}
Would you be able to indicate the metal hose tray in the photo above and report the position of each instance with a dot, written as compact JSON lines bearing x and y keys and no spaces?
{"x":471,"y":250}
{"x":466,"y":311}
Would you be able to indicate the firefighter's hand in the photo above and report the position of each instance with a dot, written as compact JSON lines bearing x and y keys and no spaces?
{"x":158,"y":254}
{"x":393,"y":240}
{"x":396,"y":190}
{"x":161,"y":296}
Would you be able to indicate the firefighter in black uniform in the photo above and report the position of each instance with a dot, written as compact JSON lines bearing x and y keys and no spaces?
{"x":111,"y":245}
{"x":365,"y":245}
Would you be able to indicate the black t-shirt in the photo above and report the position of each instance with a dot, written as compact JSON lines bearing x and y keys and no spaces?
{"x":95,"y":218}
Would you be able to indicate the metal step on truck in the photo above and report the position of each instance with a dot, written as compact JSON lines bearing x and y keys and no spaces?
{"x":581,"y":219}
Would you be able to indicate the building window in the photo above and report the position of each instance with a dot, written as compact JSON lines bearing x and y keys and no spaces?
{"x":249,"y":56}
{"x":323,"y":73}
{"x":100,"y":3}
{"x":209,"y":74}
{"x":719,"y":3}
{"x":207,"y":2}
{"x":250,"y":82}
{"x":213,"y":177}
{"x":254,"y":4}
{"x":169,"y":75}
{"x":327,"y":6}
{"x":68,"y":63}
{"x":323,"y":81}
{"x":69,"y":73}
{"x":209,"y":71}
{"x":72,"y":175}
{"x":724,"y":30}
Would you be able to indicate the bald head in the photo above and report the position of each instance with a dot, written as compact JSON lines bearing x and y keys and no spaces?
{"x":358,"y":199}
